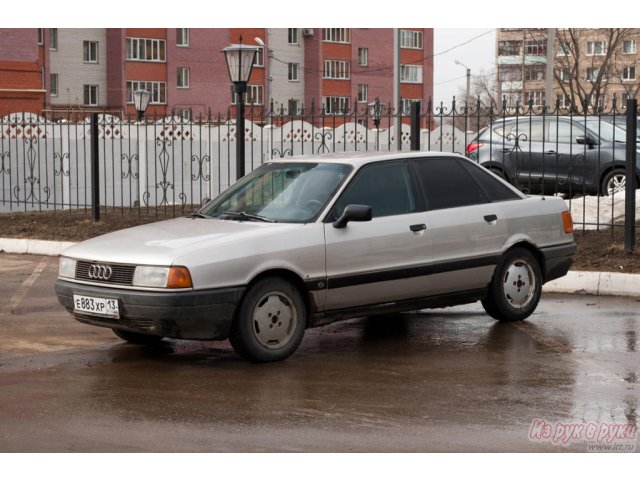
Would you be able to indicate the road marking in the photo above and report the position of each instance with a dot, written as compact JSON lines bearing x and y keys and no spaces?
{"x":26,"y":285}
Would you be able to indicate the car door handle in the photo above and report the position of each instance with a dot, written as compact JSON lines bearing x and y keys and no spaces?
{"x":490,"y":218}
{"x":418,"y":227}
{"x":550,"y":152}
{"x":505,"y":150}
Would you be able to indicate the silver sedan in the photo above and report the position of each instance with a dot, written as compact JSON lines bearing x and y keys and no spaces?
{"x":310,"y":240}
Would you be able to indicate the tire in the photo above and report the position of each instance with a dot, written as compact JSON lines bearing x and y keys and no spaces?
{"x":270,"y":321}
{"x":137,"y":338}
{"x":516,"y":287}
{"x":614,"y":182}
{"x":498,"y":173}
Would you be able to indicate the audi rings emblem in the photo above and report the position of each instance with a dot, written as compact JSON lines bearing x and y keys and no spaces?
{"x":100,"y":272}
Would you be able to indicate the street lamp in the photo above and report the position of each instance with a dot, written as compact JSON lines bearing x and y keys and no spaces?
{"x":141,"y":99}
{"x":375,"y":109}
{"x":468,"y":78}
{"x":240,"y":60}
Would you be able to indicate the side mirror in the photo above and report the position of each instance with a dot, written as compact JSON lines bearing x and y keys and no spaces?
{"x":354,"y":213}
{"x":587,"y":140}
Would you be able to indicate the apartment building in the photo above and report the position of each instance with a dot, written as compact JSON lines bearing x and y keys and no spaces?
{"x":596,"y":67}
{"x":335,"y":69}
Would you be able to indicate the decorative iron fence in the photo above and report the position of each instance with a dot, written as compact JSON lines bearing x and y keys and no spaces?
{"x":176,"y":164}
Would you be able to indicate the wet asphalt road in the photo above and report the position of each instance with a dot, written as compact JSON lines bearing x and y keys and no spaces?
{"x":442,"y":380}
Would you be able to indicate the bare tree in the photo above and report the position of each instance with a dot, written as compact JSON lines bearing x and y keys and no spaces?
{"x":587,"y":65}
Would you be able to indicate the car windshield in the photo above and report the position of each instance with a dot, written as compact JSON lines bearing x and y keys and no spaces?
{"x":279,"y":192}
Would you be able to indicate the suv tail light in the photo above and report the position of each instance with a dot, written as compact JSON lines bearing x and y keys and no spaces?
{"x":473,"y":146}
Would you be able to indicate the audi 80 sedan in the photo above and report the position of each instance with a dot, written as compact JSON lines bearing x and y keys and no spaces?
{"x":306,"y":241}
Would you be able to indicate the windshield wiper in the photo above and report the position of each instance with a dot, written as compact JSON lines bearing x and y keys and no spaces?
{"x":243,"y":216}
{"x":198,"y":215}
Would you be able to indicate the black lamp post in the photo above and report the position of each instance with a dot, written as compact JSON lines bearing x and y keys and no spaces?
{"x":141,"y":99}
{"x":375,"y":110}
{"x":240,"y":60}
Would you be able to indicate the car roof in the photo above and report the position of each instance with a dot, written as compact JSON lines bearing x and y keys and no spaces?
{"x":357,"y":159}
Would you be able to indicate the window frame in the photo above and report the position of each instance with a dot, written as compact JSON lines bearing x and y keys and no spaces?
{"x":336,"y":70}
{"x":54,"y":92}
{"x":363,"y":56}
{"x":89,"y":89}
{"x":591,"y":48}
{"x":363,"y":92}
{"x":86,"y":51}
{"x":293,"y":71}
{"x":293,"y":36}
{"x":180,"y":76}
{"x":336,"y":35}
{"x":406,"y":78}
{"x":181,"y":33}
{"x":156,"y":94}
{"x":136,"y":49}
{"x":411,"y":39}
{"x":53,"y":39}
{"x":628,"y":69}
{"x":632,"y":44}
{"x":344,"y":104}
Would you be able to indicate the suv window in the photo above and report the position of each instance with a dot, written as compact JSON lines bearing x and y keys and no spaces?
{"x":523,"y":129}
{"x":563,"y":132}
{"x":385,"y":187}
{"x":447,"y":184}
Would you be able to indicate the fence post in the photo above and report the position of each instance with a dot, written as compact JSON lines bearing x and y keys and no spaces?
{"x":415,"y":126}
{"x":95,"y":169}
{"x":631,"y":181}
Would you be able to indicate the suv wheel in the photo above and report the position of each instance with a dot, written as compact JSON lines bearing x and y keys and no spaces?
{"x":614,"y":182}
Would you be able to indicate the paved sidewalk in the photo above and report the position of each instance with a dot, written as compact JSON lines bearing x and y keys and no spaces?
{"x":591,"y":283}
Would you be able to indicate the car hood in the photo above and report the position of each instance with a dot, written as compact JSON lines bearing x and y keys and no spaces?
{"x":163,"y":243}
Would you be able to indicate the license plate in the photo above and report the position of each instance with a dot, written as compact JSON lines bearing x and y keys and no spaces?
{"x":104,"y":307}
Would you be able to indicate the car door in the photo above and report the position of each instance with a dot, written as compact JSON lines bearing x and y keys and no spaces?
{"x":465,"y":228}
{"x":376,"y":261}
{"x":564,"y":160}
{"x":527,"y":156}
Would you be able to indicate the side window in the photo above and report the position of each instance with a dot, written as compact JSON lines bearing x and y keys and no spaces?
{"x":447,"y":184}
{"x":492,"y":187}
{"x":561,"y":132}
{"x":385,"y":187}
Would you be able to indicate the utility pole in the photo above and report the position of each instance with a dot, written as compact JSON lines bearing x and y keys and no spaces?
{"x":551,"y":55}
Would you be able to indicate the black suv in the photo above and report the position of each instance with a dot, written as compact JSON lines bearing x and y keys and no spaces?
{"x":567,"y":155}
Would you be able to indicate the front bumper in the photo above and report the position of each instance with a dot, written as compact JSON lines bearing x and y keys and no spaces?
{"x":557,"y":260}
{"x":191,"y":315}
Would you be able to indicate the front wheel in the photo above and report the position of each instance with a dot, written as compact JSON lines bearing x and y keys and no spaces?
{"x":516,"y":287}
{"x":270,"y":321}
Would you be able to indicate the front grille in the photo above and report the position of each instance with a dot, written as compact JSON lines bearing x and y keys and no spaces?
{"x":121,"y":274}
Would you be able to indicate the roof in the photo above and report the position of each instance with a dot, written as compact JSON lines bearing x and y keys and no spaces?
{"x":358,"y":159}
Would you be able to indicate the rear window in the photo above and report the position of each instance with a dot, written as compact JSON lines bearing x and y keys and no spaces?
{"x":492,"y":187}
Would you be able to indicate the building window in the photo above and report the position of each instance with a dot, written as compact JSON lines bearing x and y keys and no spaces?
{"x":411,"y":74}
{"x":335,"y":105}
{"x":508,"y":48}
{"x":363,"y":57}
{"x":183,"y":77}
{"x":53,"y":84}
{"x":253,"y":96}
{"x":40,"y":36}
{"x":410,"y":39}
{"x":534,"y":72}
{"x":337,"y":70}
{"x":184,"y":113}
{"x":564,"y":49}
{"x":363,"y":92}
{"x":534,"y":98}
{"x":91,"y":95}
{"x":596,"y":48}
{"x":564,"y":100}
{"x":292,"y":36}
{"x":592,"y":74}
{"x":53,"y":39}
{"x":563,"y":74}
{"x":158,"y":91}
{"x":535,"y":47}
{"x":292,"y":75}
{"x":182,"y":37}
{"x":405,"y":106}
{"x":258,"y":60}
{"x":293,"y":106}
{"x":146,"y":49}
{"x":629,"y":46}
{"x":90,"y":52}
{"x":629,"y":73}
{"x":336,"y":35}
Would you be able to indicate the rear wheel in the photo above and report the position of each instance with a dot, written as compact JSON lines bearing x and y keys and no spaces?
{"x":137,"y":338}
{"x":516,"y":287}
{"x":270,"y":321}
{"x":614,"y":182}
{"x":498,"y":173}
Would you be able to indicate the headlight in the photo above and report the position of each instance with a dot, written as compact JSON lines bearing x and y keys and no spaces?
{"x":67,"y":267}
{"x":151,"y":277}
{"x":162,"y":277}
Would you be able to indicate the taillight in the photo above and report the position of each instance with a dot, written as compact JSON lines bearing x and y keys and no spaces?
{"x":473,"y":146}
{"x":567,"y":222}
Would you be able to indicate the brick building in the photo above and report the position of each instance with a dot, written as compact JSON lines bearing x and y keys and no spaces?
{"x":185,"y":69}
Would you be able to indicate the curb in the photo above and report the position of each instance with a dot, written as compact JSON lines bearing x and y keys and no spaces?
{"x":586,"y":283}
